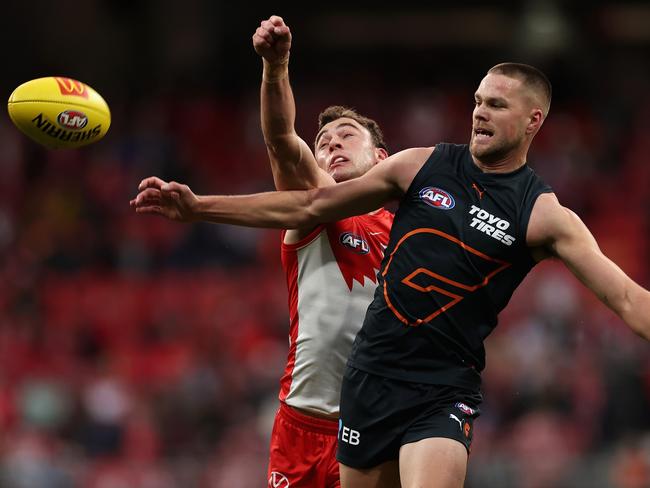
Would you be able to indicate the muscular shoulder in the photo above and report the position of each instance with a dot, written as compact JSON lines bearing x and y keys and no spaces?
{"x":404,"y":165}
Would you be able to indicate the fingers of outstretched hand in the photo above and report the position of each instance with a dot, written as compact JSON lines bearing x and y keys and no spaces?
{"x":174,"y":189}
{"x":147,"y":197}
{"x":150,"y":209}
{"x":151,"y":182}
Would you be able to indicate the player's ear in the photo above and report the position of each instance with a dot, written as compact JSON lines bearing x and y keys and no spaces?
{"x":535,"y":121}
{"x":380,"y":153}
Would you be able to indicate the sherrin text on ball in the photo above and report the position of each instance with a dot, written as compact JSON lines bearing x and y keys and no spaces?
{"x":59,"y":112}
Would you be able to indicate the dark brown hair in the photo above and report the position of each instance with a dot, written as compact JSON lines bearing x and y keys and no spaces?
{"x":336,"y":112}
{"x":530,"y":76}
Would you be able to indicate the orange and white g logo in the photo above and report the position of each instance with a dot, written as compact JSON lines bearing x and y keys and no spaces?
{"x":68,"y":86}
{"x":278,"y":480}
{"x":404,"y":294}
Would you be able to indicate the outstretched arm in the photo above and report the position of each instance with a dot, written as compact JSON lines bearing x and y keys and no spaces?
{"x":564,"y":235}
{"x":285,"y":209}
{"x":292,"y":161}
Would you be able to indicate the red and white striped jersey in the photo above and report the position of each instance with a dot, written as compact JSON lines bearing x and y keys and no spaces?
{"x":331,"y":277}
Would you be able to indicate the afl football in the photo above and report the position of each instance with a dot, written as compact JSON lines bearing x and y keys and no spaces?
{"x":59,"y":112}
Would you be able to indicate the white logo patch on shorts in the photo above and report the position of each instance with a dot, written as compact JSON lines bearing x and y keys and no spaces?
{"x":278,"y":480}
{"x":348,"y":435}
{"x":460,"y":422}
{"x":464,"y":408}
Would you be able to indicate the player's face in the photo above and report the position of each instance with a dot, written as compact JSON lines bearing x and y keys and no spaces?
{"x":344,"y":149}
{"x":501,"y":115}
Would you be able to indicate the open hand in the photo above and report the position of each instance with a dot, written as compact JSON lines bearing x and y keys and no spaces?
{"x":171,"y":200}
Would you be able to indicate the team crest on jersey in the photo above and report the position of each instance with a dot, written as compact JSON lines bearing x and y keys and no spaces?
{"x":437,"y":198}
{"x":464,"y":408}
{"x":354,"y":243}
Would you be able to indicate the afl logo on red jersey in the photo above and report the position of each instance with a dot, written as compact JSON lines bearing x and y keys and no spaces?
{"x":437,"y":198}
{"x":354,"y":243}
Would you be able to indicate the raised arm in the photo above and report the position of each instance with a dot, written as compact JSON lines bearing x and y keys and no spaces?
{"x":562,"y":233}
{"x":386,"y":181}
{"x":292,"y":161}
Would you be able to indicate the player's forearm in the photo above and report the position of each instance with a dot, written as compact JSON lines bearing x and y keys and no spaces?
{"x":281,"y":210}
{"x":278,"y":115}
{"x":278,"y":107}
{"x":634,"y":309}
{"x":618,"y":291}
{"x":302,"y":208}
{"x":576,"y":246}
{"x":291,"y":209}
{"x":292,"y":163}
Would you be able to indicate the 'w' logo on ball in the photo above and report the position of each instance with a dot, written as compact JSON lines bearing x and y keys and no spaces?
{"x":68,"y":86}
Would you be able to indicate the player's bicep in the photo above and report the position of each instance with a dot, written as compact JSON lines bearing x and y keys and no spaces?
{"x":574,"y":244}
{"x":386,"y":181}
{"x":399,"y":170}
{"x":353,"y":197}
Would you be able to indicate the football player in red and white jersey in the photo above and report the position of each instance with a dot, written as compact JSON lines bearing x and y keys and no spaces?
{"x":330,"y":269}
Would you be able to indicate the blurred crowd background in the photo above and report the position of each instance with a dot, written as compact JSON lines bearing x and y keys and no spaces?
{"x":136,"y":352}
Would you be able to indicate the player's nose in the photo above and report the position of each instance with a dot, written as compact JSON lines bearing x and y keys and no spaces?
{"x":335,"y":143}
{"x":480,"y":113}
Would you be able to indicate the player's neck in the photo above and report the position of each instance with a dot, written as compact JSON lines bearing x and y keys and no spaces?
{"x":506,"y":164}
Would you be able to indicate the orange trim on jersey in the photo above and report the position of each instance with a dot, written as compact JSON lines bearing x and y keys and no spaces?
{"x":456,"y":298}
{"x":444,"y":308}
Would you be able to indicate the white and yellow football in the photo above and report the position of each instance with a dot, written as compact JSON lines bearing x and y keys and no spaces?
{"x":59,"y":112}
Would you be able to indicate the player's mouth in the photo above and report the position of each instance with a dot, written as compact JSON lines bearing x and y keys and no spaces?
{"x":482,"y":135}
{"x":337,"y":161}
